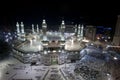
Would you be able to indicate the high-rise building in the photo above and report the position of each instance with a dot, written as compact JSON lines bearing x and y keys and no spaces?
{"x":90,"y":32}
{"x":116,"y":38}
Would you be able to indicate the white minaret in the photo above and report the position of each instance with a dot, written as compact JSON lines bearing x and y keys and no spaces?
{"x":63,"y":24}
{"x":62,"y":30}
{"x":63,"y":27}
{"x":44,"y":27}
{"x":37,"y":28}
{"x":33,"y":30}
{"x":75,"y":30}
{"x":79,"y":31}
{"x":82,"y":27}
{"x":22,"y":27}
{"x":18,"y":28}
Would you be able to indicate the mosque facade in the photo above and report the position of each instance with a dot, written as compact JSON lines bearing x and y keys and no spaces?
{"x":47,"y":47}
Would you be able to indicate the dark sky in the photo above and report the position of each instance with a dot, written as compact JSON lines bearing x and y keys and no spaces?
{"x":31,"y":11}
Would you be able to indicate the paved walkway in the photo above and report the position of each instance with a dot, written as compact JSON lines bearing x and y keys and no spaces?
{"x":13,"y":69}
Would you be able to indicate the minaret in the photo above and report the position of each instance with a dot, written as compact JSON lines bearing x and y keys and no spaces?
{"x":62,"y":30}
{"x":33,"y":30}
{"x":44,"y":27}
{"x":82,"y":27}
{"x":22,"y":32}
{"x":63,"y":27}
{"x":116,"y":38}
{"x":18,"y":28}
{"x":79,"y":31}
{"x":22,"y":28}
{"x":75,"y":28}
{"x":37,"y":28}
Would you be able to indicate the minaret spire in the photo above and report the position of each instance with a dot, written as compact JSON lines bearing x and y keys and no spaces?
{"x":79,"y":31}
{"x":63,"y":27}
{"x":33,"y":30}
{"x":44,"y":27}
{"x":37,"y":28}
{"x":18,"y":28}
{"x":75,"y":30}
{"x":82,"y":27}
{"x":22,"y":27}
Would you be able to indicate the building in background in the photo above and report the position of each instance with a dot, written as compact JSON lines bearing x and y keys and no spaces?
{"x":90,"y":32}
{"x":116,"y":38}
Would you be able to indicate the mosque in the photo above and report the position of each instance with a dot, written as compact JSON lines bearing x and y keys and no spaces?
{"x":47,"y":47}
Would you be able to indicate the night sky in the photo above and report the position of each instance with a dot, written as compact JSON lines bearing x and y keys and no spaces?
{"x":31,"y":11}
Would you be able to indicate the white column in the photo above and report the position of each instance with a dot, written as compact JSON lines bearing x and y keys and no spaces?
{"x":22,"y":27}
{"x":33,"y":31}
{"x":37,"y":28}
{"x":18,"y":28}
